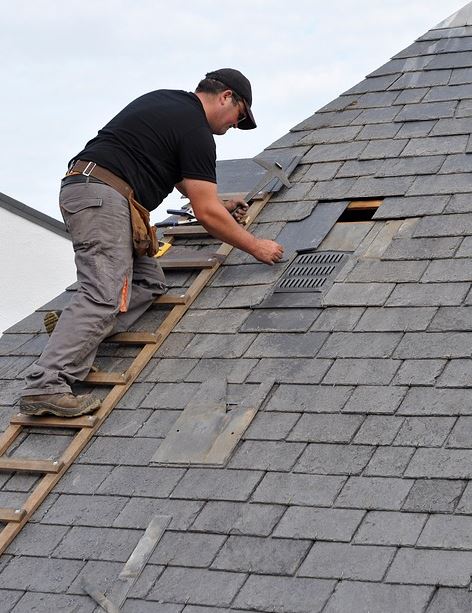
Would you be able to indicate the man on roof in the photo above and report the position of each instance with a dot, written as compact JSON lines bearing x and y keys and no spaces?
{"x":160,"y":140}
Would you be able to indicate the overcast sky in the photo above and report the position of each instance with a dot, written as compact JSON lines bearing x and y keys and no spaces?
{"x":68,"y":67}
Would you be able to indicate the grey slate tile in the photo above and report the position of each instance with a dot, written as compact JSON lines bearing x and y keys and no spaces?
{"x":324,"y":120}
{"x":374,"y":131}
{"x":456,"y":374}
{"x":375,"y":399}
{"x":344,"y":561}
{"x":281,"y":211}
{"x":368,"y":597}
{"x":360,"y":345}
{"x":198,"y":586}
{"x":290,"y":370}
{"x":465,"y":250}
{"x":41,"y":602}
{"x":326,"y":428}
{"x":389,"y":462}
{"x":334,"y":153}
{"x":247,"y":274}
{"x":338,"y":318}
{"x":428,"y":401}
{"x":447,"y":532}
{"x":401,"y":167}
{"x":9,"y":598}
{"x":378,"y":430}
{"x":441,"y":184}
{"x":187,"y":549}
{"x":271,"y":556}
{"x":428,"y":78}
{"x":379,"y":187}
{"x":449,"y":92}
{"x":441,"y":464}
{"x":159,"y":423}
{"x":428,"y":294}
{"x":358,"y":294}
{"x":375,"y":99}
{"x":319,"y":524}
{"x":324,"y":136}
{"x":374,"y":493}
{"x":373,"y":270}
{"x":124,"y":422}
{"x":271,"y":426}
{"x":238,"y":518}
{"x":376,"y":116}
{"x":395,"y":319}
{"x":36,"y":574}
{"x":98,"y":573}
{"x":288,"y":140}
{"x":245,"y":296}
{"x":335,"y":459}
{"x":431,"y":567}
{"x":436,"y":145}
{"x":434,"y":496}
{"x":373,"y":84}
{"x":215,"y":484}
{"x":285,"y":488}
{"x":422,"y":249}
{"x":84,"y":510}
{"x":323,"y":171}
{"x":113,"y":544}
{"x":450,"y":60}
{"x":119,"y":450}
{"x":419,"y":372}
{"x":359,"y":168}
{"x":458,"y":163}
{"x":416,"y":129}
{"x":426,"y":110}
{"x":227,"y":321}
{"x":281,"y":594}
{"x":336,"y":189}
{"x":461,"y":433}
{"x":211,"y":298}
{"x":464,"y":505}
{"x":383,"y":148}
{"x":390,"y":528}
{"x":434,"y":345}
{"x":450,"y":599}
{"x":365,"y":371}
{"x":133,"y":605}
{"x":279,"y":320}
{"x":37,"y":540}
{"x":310,"y":398}
{"x":424,"y":431}
{"x":266,"y":455}
{"x":296,"y":193}
{"x":285,"y":344}
{"x":218,"y":346}
{"x":143,"y":481}
{"x":235,"y":370}
{"x":82,"y":479}
{"x":448,"y":270}
{"x":138,"y":512}
{"x":13,"y":368}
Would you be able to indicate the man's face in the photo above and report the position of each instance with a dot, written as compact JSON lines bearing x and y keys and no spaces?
{"x":229,"y":113}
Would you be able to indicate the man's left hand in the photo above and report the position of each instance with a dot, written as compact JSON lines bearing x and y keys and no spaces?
{"x":237,"y":207}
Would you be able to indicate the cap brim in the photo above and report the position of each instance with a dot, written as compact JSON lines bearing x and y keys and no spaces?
{"x":249,"y":123}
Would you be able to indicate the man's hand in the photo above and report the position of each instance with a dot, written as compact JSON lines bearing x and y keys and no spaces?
{"x":237,"y":207}
{"x":268,"y":251}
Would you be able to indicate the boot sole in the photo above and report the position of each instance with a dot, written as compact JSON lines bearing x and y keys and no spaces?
{"x":50,"y":320}
{"x":46,"y":408}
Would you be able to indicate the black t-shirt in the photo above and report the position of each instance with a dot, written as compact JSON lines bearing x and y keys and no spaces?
{"x":155,"y":142}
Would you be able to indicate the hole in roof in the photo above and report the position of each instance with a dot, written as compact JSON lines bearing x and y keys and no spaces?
{"x":360,"y":210}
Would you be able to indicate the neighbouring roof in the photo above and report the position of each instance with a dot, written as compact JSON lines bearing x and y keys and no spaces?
{"x":350,"y":491}
{"x":26,"y":212}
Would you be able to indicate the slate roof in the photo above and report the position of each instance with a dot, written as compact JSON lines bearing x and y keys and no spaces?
{"x":350,"y":491}
{"x":26,"y":212}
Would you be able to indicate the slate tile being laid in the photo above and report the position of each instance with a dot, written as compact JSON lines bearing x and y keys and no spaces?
{"x":431,"y":566}
{"x":281,"y":211}
{"x":310,"y":398}
{"x":301,"y":489}
{"x":320,"y":524}
{"x":419,"y":372}
{"x":289,"y":370}
{"x":261,"y":555}
{"x":389,"y":462}
{"x":374,"y":493}
{"x":344,"y":561}
{"x":238,"y":518}
{"x":428,"y":294}
{"x":198,"y":586}
{"x":368,"y":596}
{"x":334,"y":459}
{"x":280,"y":594}
{"x":390,"y":528}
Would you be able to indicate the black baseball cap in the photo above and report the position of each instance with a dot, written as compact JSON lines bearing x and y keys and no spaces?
{"x":236,"y":81}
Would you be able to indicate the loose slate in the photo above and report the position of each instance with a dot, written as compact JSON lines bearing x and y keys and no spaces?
{"x":206,"y":432}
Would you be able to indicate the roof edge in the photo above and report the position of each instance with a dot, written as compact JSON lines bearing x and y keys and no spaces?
{"x":462,"y":17}
{"x":27,"y":212}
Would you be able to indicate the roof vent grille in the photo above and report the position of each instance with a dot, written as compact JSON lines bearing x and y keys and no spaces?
{"x":311,"y":271}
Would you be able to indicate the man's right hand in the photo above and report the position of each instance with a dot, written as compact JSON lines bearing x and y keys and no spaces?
{"x":267,"y":251}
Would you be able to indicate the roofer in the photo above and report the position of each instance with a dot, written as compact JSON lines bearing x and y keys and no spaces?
{"x":160,"y":140}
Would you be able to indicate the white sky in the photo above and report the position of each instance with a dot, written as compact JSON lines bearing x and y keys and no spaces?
{"x":68,"y":67}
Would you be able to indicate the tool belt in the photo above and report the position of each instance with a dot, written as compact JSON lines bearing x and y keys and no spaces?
{"x":144,"y":235}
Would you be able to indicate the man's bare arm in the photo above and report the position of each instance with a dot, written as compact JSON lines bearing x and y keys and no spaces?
{"x":214,"y":217}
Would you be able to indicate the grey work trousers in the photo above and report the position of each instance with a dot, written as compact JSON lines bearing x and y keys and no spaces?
{"x":115,"y":288}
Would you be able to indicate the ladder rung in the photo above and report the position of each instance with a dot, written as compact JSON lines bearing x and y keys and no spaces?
{"x":134,"y":338}
{"x":106,"y":378}
{"x":54,"y":422}
{"x":172,"y":299}
{"x":30,"y":466}
{"x":183,"y":263}
{"x":11,"y":514}
{"x":186,"y":231}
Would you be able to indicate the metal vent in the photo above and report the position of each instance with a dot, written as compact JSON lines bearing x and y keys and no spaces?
{"x":310,"y":271}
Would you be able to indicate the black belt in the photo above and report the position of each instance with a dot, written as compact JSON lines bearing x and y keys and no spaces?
{"x":79,"y":179}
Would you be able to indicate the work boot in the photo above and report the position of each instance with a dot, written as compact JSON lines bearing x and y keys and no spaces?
{"x":62,"y":405}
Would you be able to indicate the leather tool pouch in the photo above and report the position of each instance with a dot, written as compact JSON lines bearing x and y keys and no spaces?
{"x":144,"y":235}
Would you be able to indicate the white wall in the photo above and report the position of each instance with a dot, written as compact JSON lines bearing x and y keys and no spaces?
{"x":35,"y":266}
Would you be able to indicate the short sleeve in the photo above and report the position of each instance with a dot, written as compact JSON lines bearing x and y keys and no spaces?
{"x":197,"y":155}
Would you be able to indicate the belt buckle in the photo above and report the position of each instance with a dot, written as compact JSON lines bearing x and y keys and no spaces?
{"x":88,"y":171}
